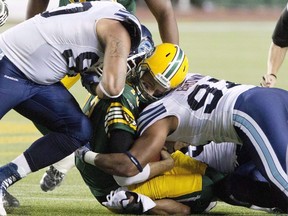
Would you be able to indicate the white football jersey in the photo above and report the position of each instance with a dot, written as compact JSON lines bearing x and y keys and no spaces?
{"x":220,"y":156}
{"x":60,"y":41}
{"x":204,"y":108}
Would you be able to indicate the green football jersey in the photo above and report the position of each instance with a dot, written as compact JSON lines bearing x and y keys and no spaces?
{"x":107,"y":115}
{"x":130,"y":5}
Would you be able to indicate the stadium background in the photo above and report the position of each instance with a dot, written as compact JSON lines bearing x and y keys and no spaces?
{"x":224,"y":38}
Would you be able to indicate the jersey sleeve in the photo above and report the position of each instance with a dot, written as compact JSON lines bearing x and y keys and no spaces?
{"x":123,"y":112}
{"x":280,"y":34}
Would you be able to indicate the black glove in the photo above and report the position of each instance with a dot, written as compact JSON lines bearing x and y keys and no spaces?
{"x":90,"y":80}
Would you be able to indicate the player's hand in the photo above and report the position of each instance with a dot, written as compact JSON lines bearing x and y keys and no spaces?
{"x":166,"y":156}
{"x":80,"y":152}
{"x":117,"y":200}
{"x":90,"y":80}
{"x":268,"y":80}
{"x":4,"y":12}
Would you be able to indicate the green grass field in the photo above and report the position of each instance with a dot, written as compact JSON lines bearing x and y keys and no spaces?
{"x":236,"y":51}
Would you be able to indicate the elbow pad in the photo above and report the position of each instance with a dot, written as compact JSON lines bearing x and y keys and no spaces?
{"x":107,"y":94}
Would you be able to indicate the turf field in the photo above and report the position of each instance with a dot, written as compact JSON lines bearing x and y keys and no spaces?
{"x":236,"y":51}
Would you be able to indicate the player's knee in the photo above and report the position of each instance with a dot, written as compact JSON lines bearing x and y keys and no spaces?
{"x":83,"y":130}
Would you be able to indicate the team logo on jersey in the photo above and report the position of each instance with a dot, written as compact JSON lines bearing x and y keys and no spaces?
{"x":130,"y":119}
{"x":117,"y":113}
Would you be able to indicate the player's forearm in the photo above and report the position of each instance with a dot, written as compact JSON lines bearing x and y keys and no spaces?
{"x":159,"y":167}
{"x":115,"y":164}
{"x":169,"y":33}
{"x":275,"y":58}
{"x":165,"y":16}
{"x":36,"y":6}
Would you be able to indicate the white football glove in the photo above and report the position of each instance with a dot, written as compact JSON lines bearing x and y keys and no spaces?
{"x":268,"y":80}
{"x":120,"y":199}
{"x":4,"y":12}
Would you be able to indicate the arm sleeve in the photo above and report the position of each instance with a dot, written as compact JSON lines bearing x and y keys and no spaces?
{"x":120,"y":141}
{"x":280,"y":34}
{"x":140,"y":177}
{"x":126,"y":140}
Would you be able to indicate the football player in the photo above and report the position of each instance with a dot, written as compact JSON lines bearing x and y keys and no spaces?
{"x":198,"y":186}
{"x":161,"y":9}
{"x":204,"y":108}
{"x":36,"y":55}
{"x":56,"y":172}
{"x":119,"y":122}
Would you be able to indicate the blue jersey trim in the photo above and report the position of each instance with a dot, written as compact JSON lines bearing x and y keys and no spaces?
{"x":149,"y":115}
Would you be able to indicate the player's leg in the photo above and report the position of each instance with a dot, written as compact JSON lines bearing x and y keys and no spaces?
{"x":13,"y":86}
{"x":55,"y":174}
{"x":54,"y":107}
{"x":13,"y":90}
{"x":260,"y":119}
{"x":244,"y":189}
{"x":201,"y":201}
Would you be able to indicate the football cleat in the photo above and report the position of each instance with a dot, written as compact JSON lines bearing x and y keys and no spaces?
{"x":8,"y":176}
{"x":51,"y":179}
{"x":10,"y":201}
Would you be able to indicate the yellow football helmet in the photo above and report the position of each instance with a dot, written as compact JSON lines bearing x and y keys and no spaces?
{"x":168,"y":65}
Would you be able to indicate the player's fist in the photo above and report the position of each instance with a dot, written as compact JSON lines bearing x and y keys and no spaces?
{"x":90,"y":80}
{"x":4,"y":12}
{"x":268,"y":80}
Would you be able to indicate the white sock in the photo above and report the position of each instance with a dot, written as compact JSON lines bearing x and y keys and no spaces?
{"x":23,"y":166}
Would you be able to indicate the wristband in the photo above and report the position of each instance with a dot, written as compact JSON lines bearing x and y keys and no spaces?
{"x":274,"y":75}
{"x":134,"y":161}
{"x":89,"y":157}
{"x":107,"y":94}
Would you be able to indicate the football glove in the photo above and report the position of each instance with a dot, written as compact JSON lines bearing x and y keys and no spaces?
{"x":4,"y":12}
{"x":268,"y":80}
{"x":90,"y":80}
{"x":128,"y":202}
{"x":80,"y":152}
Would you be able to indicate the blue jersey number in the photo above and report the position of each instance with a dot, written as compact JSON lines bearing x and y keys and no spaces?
{"x":81,"y":63}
